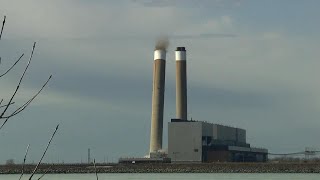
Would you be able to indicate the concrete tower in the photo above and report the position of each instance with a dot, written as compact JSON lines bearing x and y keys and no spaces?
{"x":181,"y":83}
{"x":159,"y":69}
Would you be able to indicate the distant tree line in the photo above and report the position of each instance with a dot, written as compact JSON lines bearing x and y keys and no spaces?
{"x":294,"y":159}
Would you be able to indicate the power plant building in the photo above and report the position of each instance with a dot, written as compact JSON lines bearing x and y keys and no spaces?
{"x":197,"y":141}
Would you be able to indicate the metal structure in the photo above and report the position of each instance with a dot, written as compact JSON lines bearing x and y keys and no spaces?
{"x":308,"y":153}
{"x":89,"y":156}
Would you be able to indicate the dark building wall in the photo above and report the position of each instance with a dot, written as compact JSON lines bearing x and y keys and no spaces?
{"x":230,"y":156}
{"x":218,"y":156}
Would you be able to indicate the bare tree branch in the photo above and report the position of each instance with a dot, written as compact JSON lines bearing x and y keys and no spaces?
{"x":3,"y":22}
{"x":5,"y":121}
{"x":21,"y":78}
{"x":3,"y":113}
{"x":24,"y":106}
{"x":4,"y":105}
{"x":45,"y":173}
{"x":24,"y":161}
{"x":95,"y":168}
{"x":12,"y":66}
{"x":36,"y":168}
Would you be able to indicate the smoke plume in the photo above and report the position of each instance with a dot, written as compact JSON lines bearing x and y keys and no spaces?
{"x":162,"y":43}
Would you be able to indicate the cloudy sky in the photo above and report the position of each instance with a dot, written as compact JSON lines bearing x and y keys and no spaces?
{"x":251,"y":64}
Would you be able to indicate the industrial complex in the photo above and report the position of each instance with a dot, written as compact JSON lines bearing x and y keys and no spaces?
{"x":190,"y":140}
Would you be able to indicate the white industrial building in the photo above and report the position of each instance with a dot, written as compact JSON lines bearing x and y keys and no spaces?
{"x":197,"y":141}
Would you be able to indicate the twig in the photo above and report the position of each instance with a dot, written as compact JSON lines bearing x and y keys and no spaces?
{"x":24,"y":161}
{"x":12,"y":66}
{"x":36,"y":168}
{"x":4,"y":105}
{"x":4,"y":122}
{"x":21,"y":78}
{"x":24,"y":106}
{"x":4,"y":21}
{"x":45,"y":172}
{"x":95,"y":168}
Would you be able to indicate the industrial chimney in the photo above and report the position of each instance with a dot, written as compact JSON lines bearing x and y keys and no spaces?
{"x":159,"y":69}
{"x":181,"y":83}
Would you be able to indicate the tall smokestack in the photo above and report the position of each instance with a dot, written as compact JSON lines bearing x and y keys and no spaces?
{"x":181,"y":83}
{"x":159,"y":68}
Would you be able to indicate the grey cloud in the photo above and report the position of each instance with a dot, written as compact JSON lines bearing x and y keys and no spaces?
{"x":155,"y":3}
{"x":187,"y":3}
{"x":229,"y":98}
{"x":204,"y":36}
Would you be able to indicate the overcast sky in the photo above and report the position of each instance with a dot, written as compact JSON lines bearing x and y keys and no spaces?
{"x":251,"y":64}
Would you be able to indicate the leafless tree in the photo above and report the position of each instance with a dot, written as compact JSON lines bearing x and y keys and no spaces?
{"x":95,"y":168}
{"x":24,"y":162}
{"x":44,"y":153}
{"x":6,"y":109}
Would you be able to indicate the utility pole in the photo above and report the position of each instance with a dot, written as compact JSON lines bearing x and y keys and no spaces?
{"x":89,"y":158}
